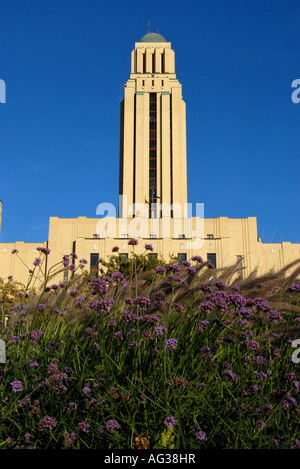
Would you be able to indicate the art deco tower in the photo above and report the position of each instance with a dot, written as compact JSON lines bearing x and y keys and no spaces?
{"x":153,"y":134}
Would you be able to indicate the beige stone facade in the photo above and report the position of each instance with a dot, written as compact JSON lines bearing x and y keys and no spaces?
{"x":153,"y":190}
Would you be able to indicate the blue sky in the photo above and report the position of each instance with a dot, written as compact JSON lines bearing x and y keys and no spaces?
{"x":65,"y":64}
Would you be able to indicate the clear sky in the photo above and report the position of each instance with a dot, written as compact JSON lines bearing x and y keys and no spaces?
{"x":65,"y":64}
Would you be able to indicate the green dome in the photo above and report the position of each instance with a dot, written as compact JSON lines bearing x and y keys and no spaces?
{"x":153,"y":37}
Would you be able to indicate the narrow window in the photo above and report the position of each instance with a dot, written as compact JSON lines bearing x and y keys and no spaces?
{"x":66,"y":269}
{"x":211,"y":258}
{"x":124,"y":256}
{"x":210,"y":236}
{"x":94,"y":264}
{"x":143,"y":83}
{"x":181,"y":236}
{"x":152,"y":83}
{"x":152,"y":155}
{"x":96,"y":236}
{"x":162,"y":83}
{"x":181,"y":257}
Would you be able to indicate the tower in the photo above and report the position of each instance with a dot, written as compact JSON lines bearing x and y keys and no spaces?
{"x":153,"y":175}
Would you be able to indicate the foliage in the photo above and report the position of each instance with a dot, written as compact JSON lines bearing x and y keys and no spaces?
{"x":194,"y":358}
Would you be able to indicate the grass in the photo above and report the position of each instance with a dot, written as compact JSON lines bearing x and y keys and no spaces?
{"x":182,"y":357}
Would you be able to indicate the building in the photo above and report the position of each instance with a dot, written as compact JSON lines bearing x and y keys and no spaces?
{"x":153,"y":204}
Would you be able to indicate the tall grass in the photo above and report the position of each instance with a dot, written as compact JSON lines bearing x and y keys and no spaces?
{"x":168,"y":357}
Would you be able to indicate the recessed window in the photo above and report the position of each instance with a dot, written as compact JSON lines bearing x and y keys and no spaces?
{"x":124,"y":256}
{"x":66,"y":274}
{"x":94,"y":263}
{"x":211,"y":258}
{"x":181,"y":236}
{"x":152,"y":236}
{"x":96,"y":236}
{"x":210,"y":236}
{"x":124,"y":236}
{"x":181,"y":257}
{"x":143,"y":84}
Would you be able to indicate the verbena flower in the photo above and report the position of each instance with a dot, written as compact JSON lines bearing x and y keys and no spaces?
{"x":37,"y":261}
{"x":197,"y":259}
{"x":17,"y":386}
{"x":160,"y":270}
{"x":84,"y":427}
{"x":170,"y":421}
{"x":201,"y":436}
{"x":43,"y":250}
{"x":112,"y":425}
{"x":149,"y":247}
{"x":132,"y":242}
{"x":171,"y":344}
{"x":293,"y":288}
{"x":47,"y":423}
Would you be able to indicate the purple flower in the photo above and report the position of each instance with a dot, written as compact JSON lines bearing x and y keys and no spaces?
{"x":293,"y":288}
{"x":171,"y":344}
{"x":112,"y":425}
{"x":231,"y":375}
{"x":149,"y":247}
{"x":274,"y":316}
{"x":115,"y":249}
{"x":47,"y":423}
{"x":191,"y":270}
{"x":66,"y":261}
{"x":17,"y":386}
{"x":33,"y":363}
{"x":253,"y":345}
{"x":84,"y":427}
{"x":143,"y":302}
{"x":201,"y":436}
{"x":14,"y":251}
{"x":160,"y":270}
{"x":86,"y":389}
{"x":37,"y":261}
{"x":170,"y":422}
{"x":132,"y":242}
{"x":160,"y":330}
{"x":174,"y":268}
{"x":197,"y":259}
{"x":99,"y":286}
{"x":69,"y":438}
{"x":44,"y":250}
{"x":237,"y":300}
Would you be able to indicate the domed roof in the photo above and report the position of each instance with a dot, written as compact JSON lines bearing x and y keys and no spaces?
{"x":153,"y":37}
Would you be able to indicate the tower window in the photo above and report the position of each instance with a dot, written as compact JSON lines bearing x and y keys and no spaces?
{"x":181,"y":236}
{"x":96,"y":236}
{"x":210,"y":236}
{"x":162,"y":83}
{"x":152,"y":154}
{"x":143,"y":84}
{"x":152,"y":83}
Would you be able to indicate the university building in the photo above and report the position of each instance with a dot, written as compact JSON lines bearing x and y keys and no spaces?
{"x":153,"y":205}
